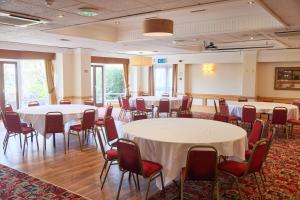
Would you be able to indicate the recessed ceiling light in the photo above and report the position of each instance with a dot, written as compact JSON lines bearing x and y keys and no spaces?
{"x":60,"y":16}
{"x":251,"y":38}
{"x":88,"y":11}
{"x":117,"y":22}
{"x":251,"y":2}
{"x":65,"y":40}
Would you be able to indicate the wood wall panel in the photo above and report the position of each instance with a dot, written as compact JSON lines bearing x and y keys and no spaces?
{"x":12,"y":54}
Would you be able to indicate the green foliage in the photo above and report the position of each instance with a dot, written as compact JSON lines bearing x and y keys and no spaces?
{"x":114,"y":82}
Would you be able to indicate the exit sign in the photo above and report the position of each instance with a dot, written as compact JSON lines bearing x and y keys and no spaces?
{"x":161,"y":60}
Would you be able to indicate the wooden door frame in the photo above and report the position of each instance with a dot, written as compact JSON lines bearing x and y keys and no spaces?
{"x":94,"y":67}
{"x":2,"y":95}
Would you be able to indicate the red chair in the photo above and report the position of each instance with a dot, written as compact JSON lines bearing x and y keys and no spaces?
{"x":255,"y":134}
{"x":33,"y":103}
{"x":129,"y":159}
{"x":294,"y":122}
{"x":139,"y":116}
{"x":110,"y":156}
{"x":183,"y":107}
{"x":225,"y":111}
{"x":201,"y":165}
{"x":127,"y":108}
{"x":184,"y":115}
{"x":242,"y":169}
{"x":111,"y":132}
{"x":89,"y":102}
{"x":190,"y":103}
{"x":216,"y":108}
{"x":163,"y":107}
{"x":279,"y":119}
{"x":64,"y":101}
{"x":13,"y":124}
{"x":222,"y":101}
{"x":86,"y":127}
{"x":54,"y":123}
{"x":221,"y":118}
{"x":248,"y":115}
{"x":141,"y":107}
{"x":8,"y":108}
{"x":100,"y":121}
{"x":121,"y":108}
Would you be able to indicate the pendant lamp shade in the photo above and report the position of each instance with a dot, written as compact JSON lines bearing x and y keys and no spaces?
{"x":140,"y":61}
{"x":158,"y":27}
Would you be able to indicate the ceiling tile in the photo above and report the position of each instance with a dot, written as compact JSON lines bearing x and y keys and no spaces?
{"x":56,"y":4}
{"x":174,"y":4}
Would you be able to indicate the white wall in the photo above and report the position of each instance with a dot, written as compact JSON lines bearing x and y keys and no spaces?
{"x":265,"y":80}
{"x":226,"y":79}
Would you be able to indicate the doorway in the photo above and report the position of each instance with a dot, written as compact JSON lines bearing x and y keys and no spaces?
{"x":97,"y":82}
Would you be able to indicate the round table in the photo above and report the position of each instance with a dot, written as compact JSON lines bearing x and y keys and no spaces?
{"x":235,"y":108}
{"x":36,"y":114}
{"x":175,"y":102}
{"x":167,"y":140}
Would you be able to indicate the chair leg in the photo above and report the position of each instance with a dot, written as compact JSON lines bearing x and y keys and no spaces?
{"x":37,"y":141}
{"x":94,"y":135}
{"x":31,"y":135}
{"x":239,"y":187}
{"x":44,"y":149}
{"x":104,"y":167}
{"x":20,"y":140}
{"x":65,"y":143}
{"x":106,"y":175}
{"x":148,"y":187}
{"x":6,"y":144}
{"x":260,"y":194}
{"x":79,"y":141}
{"x":138,"y":182}
{"x":25,"y":142}
{"x":162,"y":181}
{"x":54,"y":145}
{"x":68,"y":139}
{"x":217,"y":190}
{"x":120,"y":185}
{"x":181,"y":187}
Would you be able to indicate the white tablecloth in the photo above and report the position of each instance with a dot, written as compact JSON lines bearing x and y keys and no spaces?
{"x":167,"y":140}
{"x":175,"y":102}
{"x":235,"y":108}
{"x":36,"y":115}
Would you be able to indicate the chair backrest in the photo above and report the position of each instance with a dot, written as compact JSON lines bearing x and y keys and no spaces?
{"x":33,"y":103}
{"x":88,"y":102}
{"x":221,"y":118}
{"x":54,"y":122}
{"x":222,"y":101}
{"x":248,"y":113}
{"x":184,"y":103}
{"x":88,"y":119}
{"x":8,"y":108}
{"x":297,"y":103}
{"x":120,"y":102}
{"x":190,"y":103}
{"x":125,"y":103}
{"x":13,"y":122}
{"x":129,"y":157}
{"x":139,"y":116}
{"x":258,"y":156}
{"x":3,"y":119}
{"x":140,"y":105}
{"x":110,"y":129}
{"x":164,"y":105}
{"x":64,"y":101}
{"x":108,"y":111}
{"x":256,"y":132}
{"x":215,"y":105}
{"x":184,"y":115}
{"x":201,"y":163}
{"x":224,"y":109}
{"x":279,"y":115}
{"x":102,"y":146}
{"x":242,"y":99}
{"x":165,"y":94}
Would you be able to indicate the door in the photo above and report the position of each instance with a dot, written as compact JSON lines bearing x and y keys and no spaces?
{"x":9,"y":84}
{"x":98,"y":84}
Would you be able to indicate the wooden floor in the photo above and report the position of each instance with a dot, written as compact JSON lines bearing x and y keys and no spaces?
{"x":76,"y":171}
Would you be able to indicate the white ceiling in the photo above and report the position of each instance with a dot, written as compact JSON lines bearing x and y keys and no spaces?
{"x":118,"y":27}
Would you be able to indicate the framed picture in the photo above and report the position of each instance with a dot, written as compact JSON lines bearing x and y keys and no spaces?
{"x":287,"y":78}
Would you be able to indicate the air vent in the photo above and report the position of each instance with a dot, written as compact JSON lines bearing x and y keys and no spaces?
{"x":292,"y":33}
{"x":21,"y":20}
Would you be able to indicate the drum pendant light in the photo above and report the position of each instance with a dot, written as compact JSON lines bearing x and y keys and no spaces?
{"x":158,"y":27}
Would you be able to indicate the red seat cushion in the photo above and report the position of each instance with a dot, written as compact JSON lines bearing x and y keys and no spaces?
{"x":248,"y":154}
{"x":233,"y":167}
{"x":76,"y":127}
{"x":26,"y":130}
{"x":293,"y":121}
{"x":112,"y":154}
{"x":23,"y":124}
{"x":150,"y":167}
{"x":100,"y":122}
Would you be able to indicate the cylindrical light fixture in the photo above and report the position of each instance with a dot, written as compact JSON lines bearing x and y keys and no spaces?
{"x":140,"y":61}
{"x":158,"y":27}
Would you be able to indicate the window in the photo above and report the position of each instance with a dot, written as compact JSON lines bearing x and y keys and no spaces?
{"x":113,"y":81}
{"x":163,"y":79}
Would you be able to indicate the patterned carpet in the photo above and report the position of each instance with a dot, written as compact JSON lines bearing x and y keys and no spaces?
{"x":18,"y":185}
{"x":282,"y":170}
